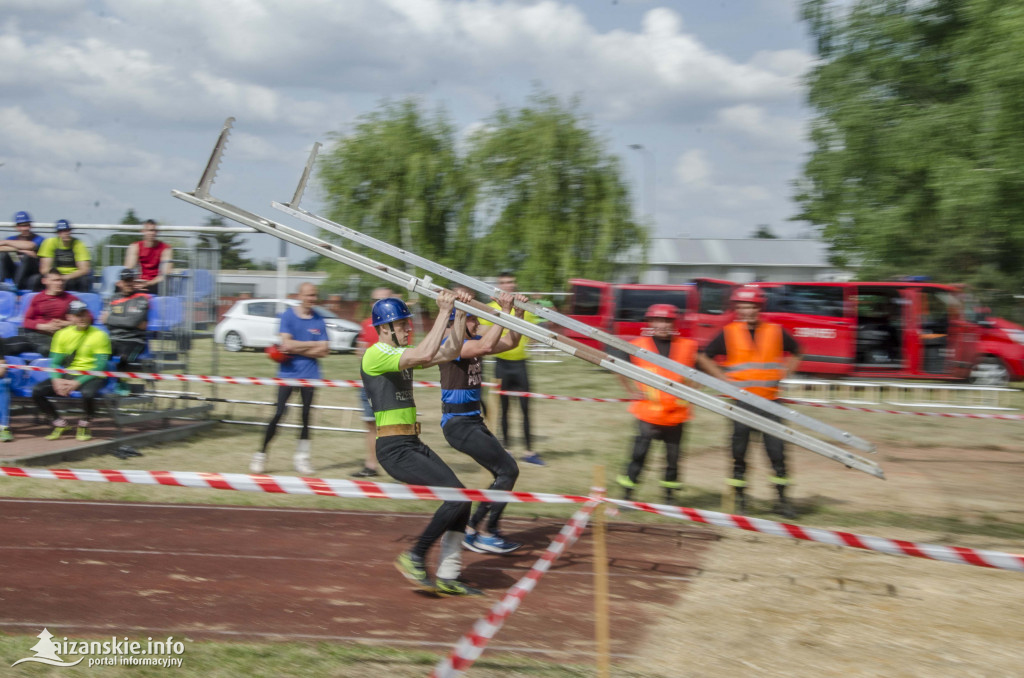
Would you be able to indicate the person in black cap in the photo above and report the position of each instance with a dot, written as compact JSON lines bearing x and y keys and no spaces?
{"x":19,"y":257}
{"x":126,"y":318}
{"x":69,"y":256}
{"x":83,"y":347}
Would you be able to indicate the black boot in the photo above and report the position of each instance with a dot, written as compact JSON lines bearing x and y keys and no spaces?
{"x":627,"y":493}
{"x":741,"y":502}
{"x":670,"y":496}
{"x":783,"y":507}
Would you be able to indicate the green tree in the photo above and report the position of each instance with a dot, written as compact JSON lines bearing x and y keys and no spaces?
{"x":551,"y":200}
{"x":114,"y":246}
{"x":398,"y":178}
{"x":232,"y":249}
{"x":919,"y":139}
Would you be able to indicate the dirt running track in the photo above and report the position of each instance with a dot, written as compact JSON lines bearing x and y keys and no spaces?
{"x":93,"y":568}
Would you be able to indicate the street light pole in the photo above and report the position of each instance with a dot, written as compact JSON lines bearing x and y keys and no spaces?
{"x":649,"y":182}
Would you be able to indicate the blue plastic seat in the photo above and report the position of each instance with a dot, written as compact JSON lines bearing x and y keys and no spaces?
{"x":165,"y":313}
{"x":8,"y":304}
{"x":17,"y":377}
{"x":23,"y":302}
{"x":7,"y":329}
{"x":34,"y":377}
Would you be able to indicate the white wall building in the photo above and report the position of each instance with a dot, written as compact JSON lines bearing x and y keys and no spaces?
{"x":678,"y":260}
{"x":263,"y":284}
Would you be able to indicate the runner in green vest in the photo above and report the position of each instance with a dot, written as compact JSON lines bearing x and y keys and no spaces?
{"x":386,"y":370}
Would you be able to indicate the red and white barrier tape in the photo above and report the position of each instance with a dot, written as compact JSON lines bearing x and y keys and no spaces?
{"x":355,"y":383}
{"x":206,"y":379}
{"x":371,"y":490}
{"x":469,"y":648}
{"x":544,"y":396}
{"x":947,"y":415}
{"x":951,"y":554}
{"x":363,"y":489}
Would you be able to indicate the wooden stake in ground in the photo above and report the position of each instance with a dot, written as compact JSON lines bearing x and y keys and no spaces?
{"x":601,"y":622}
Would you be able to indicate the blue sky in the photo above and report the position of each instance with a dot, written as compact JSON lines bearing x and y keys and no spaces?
{"x":107,"y":105}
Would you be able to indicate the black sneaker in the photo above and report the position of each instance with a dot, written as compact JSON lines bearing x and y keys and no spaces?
{"x":454,"y":587}
{"x":366,"y":473}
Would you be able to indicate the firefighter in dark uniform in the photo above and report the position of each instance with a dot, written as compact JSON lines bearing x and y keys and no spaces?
{"x":464,"y":428}
{"x":756,"y":360}
{"x":659,"y":415}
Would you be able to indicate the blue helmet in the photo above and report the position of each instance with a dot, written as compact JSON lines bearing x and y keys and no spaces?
{"x":389,"y":310}
{"x":62,"y":225}
{"x":22,"y":218}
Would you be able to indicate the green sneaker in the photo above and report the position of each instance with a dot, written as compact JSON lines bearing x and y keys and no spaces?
{"x":5,"y":435}
{"x":413,"y":569}
{"x":83,"y":433}
{"x":57,"y":432}
{"x":454,"y":587}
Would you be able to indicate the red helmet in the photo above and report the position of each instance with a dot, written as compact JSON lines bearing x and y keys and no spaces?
{"x":662,"y":311}
{"x":749,"y":294}
{"x":274,"y":353}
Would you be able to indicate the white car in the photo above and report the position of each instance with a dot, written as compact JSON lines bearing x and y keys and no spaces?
{"x":254,"y":323}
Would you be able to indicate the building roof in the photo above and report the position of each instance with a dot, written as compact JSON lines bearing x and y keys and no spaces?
{"x":738,"y":252}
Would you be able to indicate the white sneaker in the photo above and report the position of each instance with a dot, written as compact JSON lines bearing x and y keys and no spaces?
{"x":302,"y":464}
{"x":258,"y":463}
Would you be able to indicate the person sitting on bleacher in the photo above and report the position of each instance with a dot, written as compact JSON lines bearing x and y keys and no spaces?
{"x":46,"y":314}
{"x":79,"y":346}
{"x":5,"y":403}
{"x":69,"y":256}
{"x":19,"y":258}
{"x":152,"y":257}
{"x":126,"y":319}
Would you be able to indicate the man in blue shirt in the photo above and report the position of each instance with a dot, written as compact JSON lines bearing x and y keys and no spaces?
{"x":304,"y":341}
{"x":19,"y":258}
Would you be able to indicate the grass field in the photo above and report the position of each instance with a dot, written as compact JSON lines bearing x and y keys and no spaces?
{"x":940,"y":489}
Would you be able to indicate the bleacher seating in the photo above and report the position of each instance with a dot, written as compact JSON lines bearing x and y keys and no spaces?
{"x":165,"y":313}
{"x":23,"y":302}
{"x":7,"y":329}
{"x":18,"y":377}
{"x":8,"y":304}
{"x":35,"y":376}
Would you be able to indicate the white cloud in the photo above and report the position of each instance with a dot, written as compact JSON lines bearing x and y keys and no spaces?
{"x":692,"y":168}
{"x":135,"y":90}
{"x":695,"y":176}
{"x":755,"y":123}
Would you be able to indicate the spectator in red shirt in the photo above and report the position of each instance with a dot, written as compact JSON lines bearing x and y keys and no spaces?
{"x":46,"y":313}
{"x":151,"y":256}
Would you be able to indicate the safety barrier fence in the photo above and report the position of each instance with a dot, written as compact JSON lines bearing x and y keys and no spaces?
{"x":355,"y":383}
{"x":374,"y":490}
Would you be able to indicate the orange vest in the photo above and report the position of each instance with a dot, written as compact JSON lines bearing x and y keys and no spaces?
{"x":660,"y":408}
{"x":754,"y":366}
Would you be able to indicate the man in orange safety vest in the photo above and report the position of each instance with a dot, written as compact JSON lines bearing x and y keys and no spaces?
{"x":658,"y":415}
{"x":757,"y":356}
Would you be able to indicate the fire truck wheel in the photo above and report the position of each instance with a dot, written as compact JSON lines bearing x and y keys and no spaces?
{"x":989,"y":371}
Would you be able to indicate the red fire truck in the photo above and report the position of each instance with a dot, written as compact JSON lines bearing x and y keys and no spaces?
{"x":852,"y":329}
